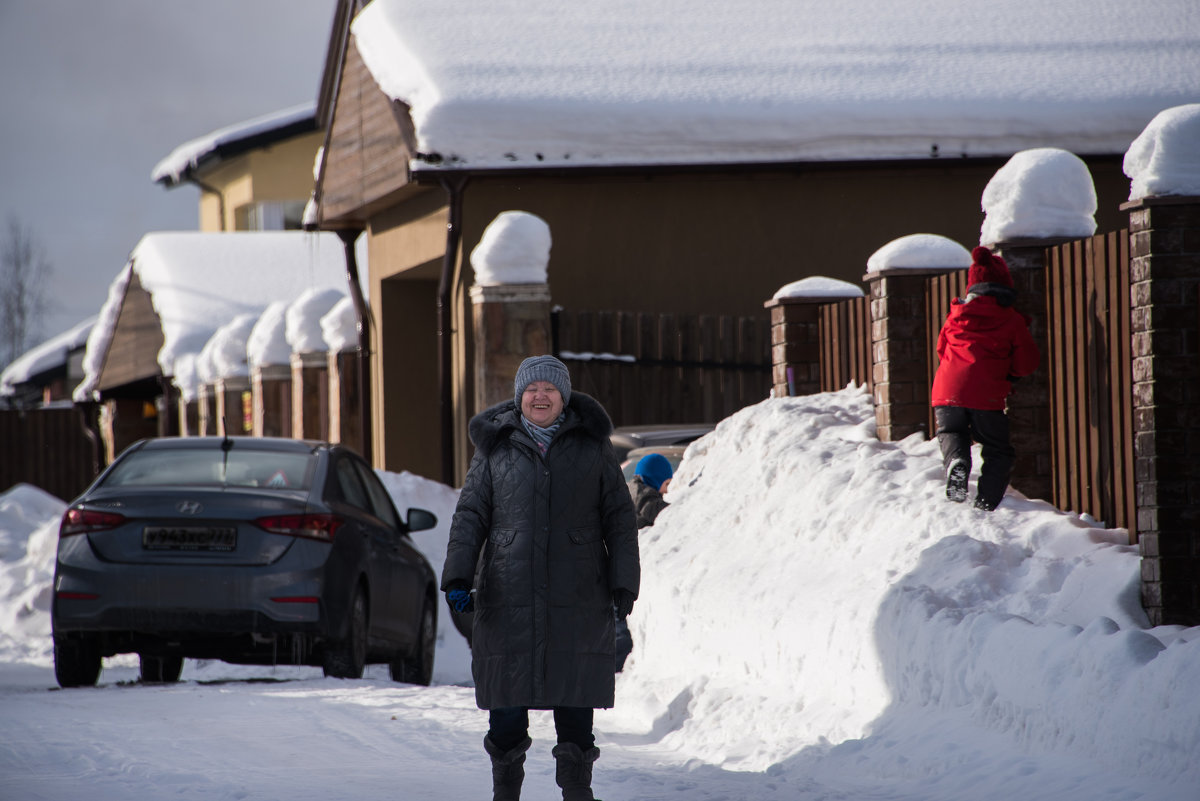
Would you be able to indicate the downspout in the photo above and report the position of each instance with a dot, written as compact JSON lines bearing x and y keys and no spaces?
{"x":220,"y":197}
{"x":362,"y":324}
{"x":454,"y":187}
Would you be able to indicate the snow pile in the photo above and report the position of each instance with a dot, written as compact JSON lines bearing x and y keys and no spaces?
{"x":920,"y":252}
{"x":818,"y":286}
{"x":626,"y":82}
{"x":267,"y":343}
{"x":1039,"y":194}
{"x":28,"y":540}
{"x":224,"y":355}
{"x":808,"y":584}
{"x":1165,"y":158}
{"x":514,"y":249}
{"x":302,"y":321}
{"x":339,"y":326}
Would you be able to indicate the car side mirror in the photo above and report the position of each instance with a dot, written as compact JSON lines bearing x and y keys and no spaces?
{"x":420,"y":519}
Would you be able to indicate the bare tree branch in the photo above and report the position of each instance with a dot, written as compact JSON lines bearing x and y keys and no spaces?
{"x":24,"y":277}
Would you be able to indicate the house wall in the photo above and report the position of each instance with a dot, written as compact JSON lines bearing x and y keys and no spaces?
{"x":281,"y":172}
{"x":725,"y":242}
{"x":405,"y":246}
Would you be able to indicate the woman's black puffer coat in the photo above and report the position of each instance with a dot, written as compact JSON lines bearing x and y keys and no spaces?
{"x":544,"y":540}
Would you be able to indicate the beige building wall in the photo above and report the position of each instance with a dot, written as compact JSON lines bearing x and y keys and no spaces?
{"x":282,"y":172}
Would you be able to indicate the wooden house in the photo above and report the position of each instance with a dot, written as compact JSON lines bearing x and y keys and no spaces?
{"x":690,"y":160}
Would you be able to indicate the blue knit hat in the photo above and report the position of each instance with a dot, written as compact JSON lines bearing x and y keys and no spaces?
{"x":654,"y":469}
{"x":542,"y":368}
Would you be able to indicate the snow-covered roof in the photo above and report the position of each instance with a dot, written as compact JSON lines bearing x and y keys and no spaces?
{"x":545,"y":83}
{"x":47,"y":356}
{"x":234,"y":139}
{"x":200,"y":281}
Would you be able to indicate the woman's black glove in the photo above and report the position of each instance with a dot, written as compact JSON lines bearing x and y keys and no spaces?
{"x":459,"y":596}
{"x":623,"y":601}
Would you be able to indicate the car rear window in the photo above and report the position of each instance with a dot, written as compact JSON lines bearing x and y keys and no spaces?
{"x":214,"y":468}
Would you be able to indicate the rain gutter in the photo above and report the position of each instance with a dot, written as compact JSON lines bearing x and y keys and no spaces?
{"x":362,"y":323}
{"x":454,"y":186}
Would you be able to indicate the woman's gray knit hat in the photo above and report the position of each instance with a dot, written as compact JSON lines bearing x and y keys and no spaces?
{"x":542,"y":368}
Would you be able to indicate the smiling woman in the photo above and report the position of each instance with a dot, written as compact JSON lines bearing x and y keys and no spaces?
{"x":545,"y":515}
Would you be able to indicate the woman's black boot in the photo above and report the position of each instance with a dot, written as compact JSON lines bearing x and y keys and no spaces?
{"x":574,"y":771}
{"x":508,"y":769}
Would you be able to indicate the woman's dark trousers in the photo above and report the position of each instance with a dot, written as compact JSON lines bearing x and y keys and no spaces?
{"x":508,"y":733}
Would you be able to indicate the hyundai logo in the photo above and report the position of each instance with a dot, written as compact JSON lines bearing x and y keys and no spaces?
{"x":189,"y":507}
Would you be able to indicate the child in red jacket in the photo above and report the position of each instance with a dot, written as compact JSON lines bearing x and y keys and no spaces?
{"x":983,"y":346}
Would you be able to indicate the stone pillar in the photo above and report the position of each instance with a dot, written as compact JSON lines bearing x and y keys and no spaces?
{"x":511,"y":321}
{"x":233,"y":405}
{"x":310,"y":395}
{"x":900,"y":357}
{"x":271,"y":399}
{"x":1029,"y":403}
{"x":345,"y":421}
{"x":795,"y":345}
{"x":1165,"y":289}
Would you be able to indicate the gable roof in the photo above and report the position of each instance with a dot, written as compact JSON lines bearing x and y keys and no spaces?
{"x":234,"y":140}
{"x":539,"y":83}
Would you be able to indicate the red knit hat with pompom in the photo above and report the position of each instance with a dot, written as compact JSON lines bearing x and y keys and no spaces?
{"x":988,"y":268}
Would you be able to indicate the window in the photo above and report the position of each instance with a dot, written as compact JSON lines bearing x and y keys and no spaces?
{"x":271,"y":216}
{"x":240,"y":467}
{"x":381,"y":502}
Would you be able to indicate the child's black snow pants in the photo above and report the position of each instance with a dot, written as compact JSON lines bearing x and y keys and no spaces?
{"x":957,"y":426}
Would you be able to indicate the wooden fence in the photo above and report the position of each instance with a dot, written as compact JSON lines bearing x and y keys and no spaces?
{"x":1090,"y":371}
{"x":656,"y":368}
{"x":844,"y":332}
{"x":47,"y":448}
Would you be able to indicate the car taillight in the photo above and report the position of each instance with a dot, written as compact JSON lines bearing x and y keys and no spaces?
{"x":316,"y":527}
{"x":81,"y":521}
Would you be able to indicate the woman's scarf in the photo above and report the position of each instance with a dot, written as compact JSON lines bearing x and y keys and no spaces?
{"x":542,"y":436}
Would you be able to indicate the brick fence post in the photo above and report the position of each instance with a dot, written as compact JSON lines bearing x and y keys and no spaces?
{"x":511,"y":321}
{"x":1165,"y":329}
{"x":795,"y":345}
{"x":1029,"y":403}
{"x":900,"y":355}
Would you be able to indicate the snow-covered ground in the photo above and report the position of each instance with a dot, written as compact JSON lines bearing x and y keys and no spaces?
{"x":816,"y":622}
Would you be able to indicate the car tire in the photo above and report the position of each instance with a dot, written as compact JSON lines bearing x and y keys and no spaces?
{"x":76,"y":662}
{"x":418,"y":668}
{"x":160,"y":669}
{"x":344,"y":659}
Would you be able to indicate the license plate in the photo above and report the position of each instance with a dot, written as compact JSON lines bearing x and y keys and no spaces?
{"x":189,"y":538}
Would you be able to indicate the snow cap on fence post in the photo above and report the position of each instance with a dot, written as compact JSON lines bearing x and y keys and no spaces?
{"x":795,"y":311}
{"x":1165,"y":157}
{"x":1043,"y":193}
{"x":919,"y":252}
{"x":510,"y":301}
{"x":514,"y":249}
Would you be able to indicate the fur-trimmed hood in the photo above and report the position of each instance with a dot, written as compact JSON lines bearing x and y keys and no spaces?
{"x":493,"y":423}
